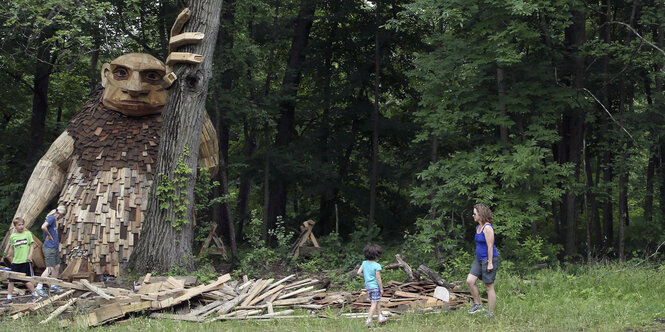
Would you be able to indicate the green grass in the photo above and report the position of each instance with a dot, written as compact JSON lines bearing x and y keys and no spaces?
{"x":604,"y":298}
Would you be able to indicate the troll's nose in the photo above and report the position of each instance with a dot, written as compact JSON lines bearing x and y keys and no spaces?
{"x":133,"y":86}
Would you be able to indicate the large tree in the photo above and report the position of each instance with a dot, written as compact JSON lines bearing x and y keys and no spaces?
{"x":166,"y":238}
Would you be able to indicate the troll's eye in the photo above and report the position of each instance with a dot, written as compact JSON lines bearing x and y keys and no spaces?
{"x":152,"y":76}
{"x":120,"y":74}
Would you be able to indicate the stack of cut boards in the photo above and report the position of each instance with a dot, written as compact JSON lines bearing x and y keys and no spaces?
{"x":401,"y":297}
{"x":178,"y":298}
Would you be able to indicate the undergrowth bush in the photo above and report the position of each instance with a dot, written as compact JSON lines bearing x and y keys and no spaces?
{"x":259,"y":259}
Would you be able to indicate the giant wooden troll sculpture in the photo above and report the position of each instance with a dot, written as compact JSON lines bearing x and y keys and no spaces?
{"x":103,"y":164}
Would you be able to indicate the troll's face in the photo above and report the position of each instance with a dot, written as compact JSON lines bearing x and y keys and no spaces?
{"x":133,"y":84}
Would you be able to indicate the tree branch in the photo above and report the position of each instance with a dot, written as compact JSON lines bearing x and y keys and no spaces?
{"x":19,"y":79}
{"x":637,"y":34}
{"x":608,"y":113}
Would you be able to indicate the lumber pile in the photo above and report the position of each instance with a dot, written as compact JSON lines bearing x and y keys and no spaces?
{"x":399,"y":297}
{"x":87,"y":304}
{"x":172,"y":298}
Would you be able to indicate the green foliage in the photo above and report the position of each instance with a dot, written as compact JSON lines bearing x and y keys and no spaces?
{"x":204,"y":202}
{"x":204,"y":271}
{"x":259,"y":259}
{"x":527,"y":254}
{"x":172,"y":193}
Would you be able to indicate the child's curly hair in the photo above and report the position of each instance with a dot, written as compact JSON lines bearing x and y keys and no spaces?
{"x":372,"y":252}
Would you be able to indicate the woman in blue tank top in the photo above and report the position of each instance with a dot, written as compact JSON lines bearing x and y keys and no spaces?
{"x":486,"y":262}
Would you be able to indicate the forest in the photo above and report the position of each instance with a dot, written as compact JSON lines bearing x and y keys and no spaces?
{"x":385,"y":120}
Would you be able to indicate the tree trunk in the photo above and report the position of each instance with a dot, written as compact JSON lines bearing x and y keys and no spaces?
{"x":162,"y":246}
{"x":327,"y":196}
{"x":94,"y":60}
{"x":266,"y":185}
{"x":608,"y":218}
{"x":660,"y":109}
{"x":223,"y":216}
{"x":41,"y":79}
{"x":501,"y":89}
{"x":249,"y":149}
{"x":375,"y":120}
{"x":596,"y":236}
{"x":623,"y":211}
{"x":289,"y":90}
{"x":648,"y":198}
{"x":573,"y":125}
{"x":651,"y":166}
{"x":585,"y":160}
{"x":627,"y":98}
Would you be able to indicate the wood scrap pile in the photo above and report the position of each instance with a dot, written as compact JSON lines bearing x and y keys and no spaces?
{"x":172,"y":298}
{"x":178,"y":298}
{"x":400,"y":297}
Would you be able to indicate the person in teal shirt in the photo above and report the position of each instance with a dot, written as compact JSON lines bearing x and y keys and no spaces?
{"x":371,"y":272}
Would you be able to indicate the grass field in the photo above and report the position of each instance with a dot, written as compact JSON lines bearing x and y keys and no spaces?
{"x":603,"y":298}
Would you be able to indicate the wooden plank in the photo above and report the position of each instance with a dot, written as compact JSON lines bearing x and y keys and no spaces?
{"x":411,"y":295}
{"x":146,"y":279}
{"x":36,"y":306}
{"x":251,"y":307}
{"x":228,"y":306}
{"x":266,"y":294}
{"x":189,"y":280}
{"x":238,"y":314}
{"x":174,"y":283}
{"x":310,"y":282}
{"x":190,"y":293}
{"x":207,"y":307}
{"x":274,"y":296}
{"x":244,"y":288}
{"x":50,"y":300}
{"x":281,"y":281}
{"x":297,"y":300}
{"x":95,"y":289}
{"x":228,"y":290}
{"x":162,"y":295}
{"x":186,"y":318}
{"x":43,"y":280}
{"x":257,"y":290}
{"x":99,"y":316}
{"x":206,"y":243}
{"x":302,"y":290}
{"x":151,"y":288}
{"x":298,"y":283}
{"x":58,"y":311}
{"x":313,"y":239}
{"x":136,"y":306}
{"x":118,"y":291}
{"x":315,"y":292}
{"x":248,"y":316}
{"x":221,"y":248}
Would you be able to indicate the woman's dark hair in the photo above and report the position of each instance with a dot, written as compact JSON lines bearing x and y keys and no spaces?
{"x":372,"y":252}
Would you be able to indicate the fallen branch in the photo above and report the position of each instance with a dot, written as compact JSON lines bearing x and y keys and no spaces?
{"x":432,"y":275}
{"x":407,"y":269}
